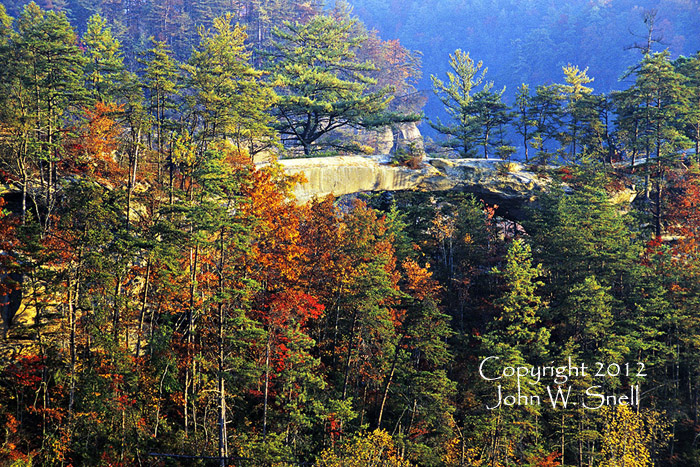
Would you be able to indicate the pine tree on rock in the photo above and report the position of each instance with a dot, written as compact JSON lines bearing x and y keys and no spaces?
{"x":457,"y":97}
{"x":321,"y":83}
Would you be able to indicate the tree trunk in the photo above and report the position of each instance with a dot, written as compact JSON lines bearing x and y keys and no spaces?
{"x":267,"y":383}
{"x":349,"y":356}
{"x":385,"y":392}
{"x":222,"y":387}
{"x":142,"y":314}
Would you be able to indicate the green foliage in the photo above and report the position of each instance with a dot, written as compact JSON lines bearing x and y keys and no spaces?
{"x":457,"y":97}
{"x":321,"y":83}
{"x":104,"y":59}
{"x":228,"y":93}
{"x":517,"y":324}
{"x":583,"y":233}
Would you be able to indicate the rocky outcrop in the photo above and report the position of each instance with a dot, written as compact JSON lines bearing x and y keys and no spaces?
{"x":504,"y":183}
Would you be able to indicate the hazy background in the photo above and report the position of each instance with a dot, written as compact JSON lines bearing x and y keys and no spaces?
{"x":519,"y":41}
{"x":528,"y":41}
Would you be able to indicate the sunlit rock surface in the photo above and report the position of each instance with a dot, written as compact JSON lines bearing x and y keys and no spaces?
{"x":505,"y":184}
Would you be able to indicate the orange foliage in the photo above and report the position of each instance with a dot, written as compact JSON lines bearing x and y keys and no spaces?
{"x":420,"y":282}
{"x":98,"y":138}
{"x":102,"y":131}
{"x":277,"y":250}
{"x":683,"y":213}
{"x":550,"y":460}
{"x":395,"y":64}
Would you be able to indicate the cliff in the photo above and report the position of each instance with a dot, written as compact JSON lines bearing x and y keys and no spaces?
{"x":505,"y":184}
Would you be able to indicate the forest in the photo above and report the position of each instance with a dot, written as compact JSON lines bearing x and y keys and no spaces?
{"x":164,"y":301}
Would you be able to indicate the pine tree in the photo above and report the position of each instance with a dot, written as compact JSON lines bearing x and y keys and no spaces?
{"x":161,"y":82}
{"x":457,"y":97}
{"x":321,"y":83}
{"x":517,"y":324}
{"x":491,"y":113}
{"x":229,"y":95}
{"x":690,"y":68}
{"x":582,"y":234}
{"x":524,"y":122}
{"x":515,"y":337}
{"x":105,"y":61}
{"x":665,"y":100}
{"x":574,"y":93}
{"x":47,"y":66}
{"x":546,"y":112}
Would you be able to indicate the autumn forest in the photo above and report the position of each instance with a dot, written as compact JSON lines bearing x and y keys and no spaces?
{"x":165,"y":300}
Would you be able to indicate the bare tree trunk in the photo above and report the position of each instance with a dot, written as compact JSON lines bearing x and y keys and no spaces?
{"x":349,"y":356}
{"x":142,"y":314}
{"x":222,"y":388}
{"x":267,"y":383}
{"x":189,"y":373}
{"x":222,"y":391}
{"x":385,"y":392}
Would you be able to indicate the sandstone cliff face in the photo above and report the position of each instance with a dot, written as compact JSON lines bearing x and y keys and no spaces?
{"x":505,"y":184}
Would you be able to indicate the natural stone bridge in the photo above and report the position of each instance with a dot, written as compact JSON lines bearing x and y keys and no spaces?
{"x":506,"y":184}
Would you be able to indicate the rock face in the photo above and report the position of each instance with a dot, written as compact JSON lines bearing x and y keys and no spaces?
{"x":505,"y":184}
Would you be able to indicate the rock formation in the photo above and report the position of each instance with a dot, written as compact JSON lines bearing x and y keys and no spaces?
{"x":504,"y":183}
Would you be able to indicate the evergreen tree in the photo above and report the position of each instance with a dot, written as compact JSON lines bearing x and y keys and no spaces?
{"x":104,"y":59}
{"x":574,"y":93}
{"x":457,"y":97}
{"x":665,"y":101}
{"x":524,"y":122}
{"x":5,"y":26}
{"x":690,"y":68}
{"x":582,"y":234}
{"x":546,"y":112}
{"x":491,"y":113}
{"x":161,"y":76}
{"x":229,"y":95}
{"x":515,"y":337}
{"x":322,"y":85}
{"x":520,"y":308}
{"x":47,"y":68}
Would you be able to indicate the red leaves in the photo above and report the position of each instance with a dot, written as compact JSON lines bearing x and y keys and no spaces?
{"x":26,"y":372}
{"x":291,"y":306}
{"x":566,"y":174}
{"x":683,"y":213}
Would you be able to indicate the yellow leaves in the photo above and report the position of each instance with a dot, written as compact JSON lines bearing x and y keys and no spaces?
{"x":575,"y":80}
{"x":184,"y":150}
{"x":455,"y":456}
{"x":232,"y":155}
{"x":468,"y":240}
{"x":444,"y":227}
{"x":629,"y":436}
{"x":375,"y":449}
